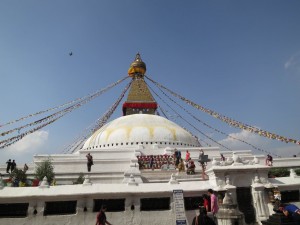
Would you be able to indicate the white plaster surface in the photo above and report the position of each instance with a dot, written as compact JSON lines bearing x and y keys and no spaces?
{"x":140,"y":128}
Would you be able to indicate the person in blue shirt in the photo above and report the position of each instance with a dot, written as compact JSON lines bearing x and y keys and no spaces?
{"x":292,"y":211}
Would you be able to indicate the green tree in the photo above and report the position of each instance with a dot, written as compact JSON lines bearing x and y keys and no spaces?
{"x":297,"y":171}
{"x":279,"y":172}
{"x":45,"y":168}
{"x":18,"y":175}
{"x":80,"y":179}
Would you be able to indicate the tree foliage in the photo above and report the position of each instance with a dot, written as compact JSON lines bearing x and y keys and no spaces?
{"x":80,"y":179}
{"x":279,"y":172}
{"x":297,"y":171}
{"x":45,"y":168}
{"x":18,"y":175}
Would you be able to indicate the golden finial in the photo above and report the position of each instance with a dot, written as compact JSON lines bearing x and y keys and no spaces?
{"x":137,"y":67}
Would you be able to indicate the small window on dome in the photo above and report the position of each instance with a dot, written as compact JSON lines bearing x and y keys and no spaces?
{"x":151,"y":142}
{"x":169,"y":143}
{"x":142,"y":142}
{"x":112,"y":144}
{"x":173,"y":143}
{"x":104,"y":146}
{"x":122,"y":143}
{"x":117,"y":144}
{"x":107,"y":145}
{"x":137,"y":143}
{"x":100,"y":146}
{"x":131,"y":143}
{"x":146,"y":143}
{"x":161,"y":143}
{"x":165,"y":143}
{"x":126,"y":143}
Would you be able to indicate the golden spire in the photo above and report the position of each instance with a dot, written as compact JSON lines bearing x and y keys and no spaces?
{"x":137,"y":67}
{"x":139,"y":99}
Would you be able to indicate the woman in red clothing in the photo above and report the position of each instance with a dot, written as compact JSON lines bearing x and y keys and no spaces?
{"x":187,"y":156}
{"x":206,"y":202}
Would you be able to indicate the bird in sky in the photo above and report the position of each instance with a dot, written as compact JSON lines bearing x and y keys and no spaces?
{"x":71,"y":53}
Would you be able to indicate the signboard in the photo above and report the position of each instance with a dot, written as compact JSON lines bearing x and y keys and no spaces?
{"x":179,"y":207}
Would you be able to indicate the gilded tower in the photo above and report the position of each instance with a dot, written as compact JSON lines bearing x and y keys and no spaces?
{"x":139,"y":99}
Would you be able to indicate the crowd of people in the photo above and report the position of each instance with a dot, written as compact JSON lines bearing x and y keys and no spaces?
{"x":188,"y":165}
{"x":210,"y":204}
{"x":12,"y":165}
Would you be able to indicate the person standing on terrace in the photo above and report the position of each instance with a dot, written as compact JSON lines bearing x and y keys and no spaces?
{"x":187,"y":155}
{"x":89,"y":161}
{"x":8,"y":165}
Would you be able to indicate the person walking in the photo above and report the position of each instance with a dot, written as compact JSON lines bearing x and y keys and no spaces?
{"x":187,"y":155}
{"x":152,"y":163}
{"x":213,"y":202}
{"x":269,"y":160}
{"x":25,"y":168}
{"x":13,"y":166}
{"x":181,"y":166}
{"x":206,"y":202}
{"x":101,"y":217}
{"x":89,"y":161}
{"x":222,"y":157}
{"x":8,"y":165}
{"x":203,"y":219}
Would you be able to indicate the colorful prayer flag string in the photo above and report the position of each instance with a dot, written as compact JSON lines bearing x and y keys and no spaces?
{"x":230,"y":121}
{"x":101,"y":121}
{"x":97,"y":93}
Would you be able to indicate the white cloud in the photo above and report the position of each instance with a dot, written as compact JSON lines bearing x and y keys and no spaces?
{"x":30,"y":142}
{"x":293,"y":63}
{"x":263,"y":143}
{"x":245,"y":136}
{"x":23,"y":150}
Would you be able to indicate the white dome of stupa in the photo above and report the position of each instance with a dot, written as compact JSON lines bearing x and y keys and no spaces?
{"x":140,"y":129}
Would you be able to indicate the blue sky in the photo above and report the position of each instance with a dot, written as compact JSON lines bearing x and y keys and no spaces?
{"x":239,"y":58}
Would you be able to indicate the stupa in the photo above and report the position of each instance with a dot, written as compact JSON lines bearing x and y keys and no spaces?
{"x":135,"y":193}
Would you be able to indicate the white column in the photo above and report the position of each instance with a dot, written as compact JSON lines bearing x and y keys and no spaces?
{"x":258,"y":194}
